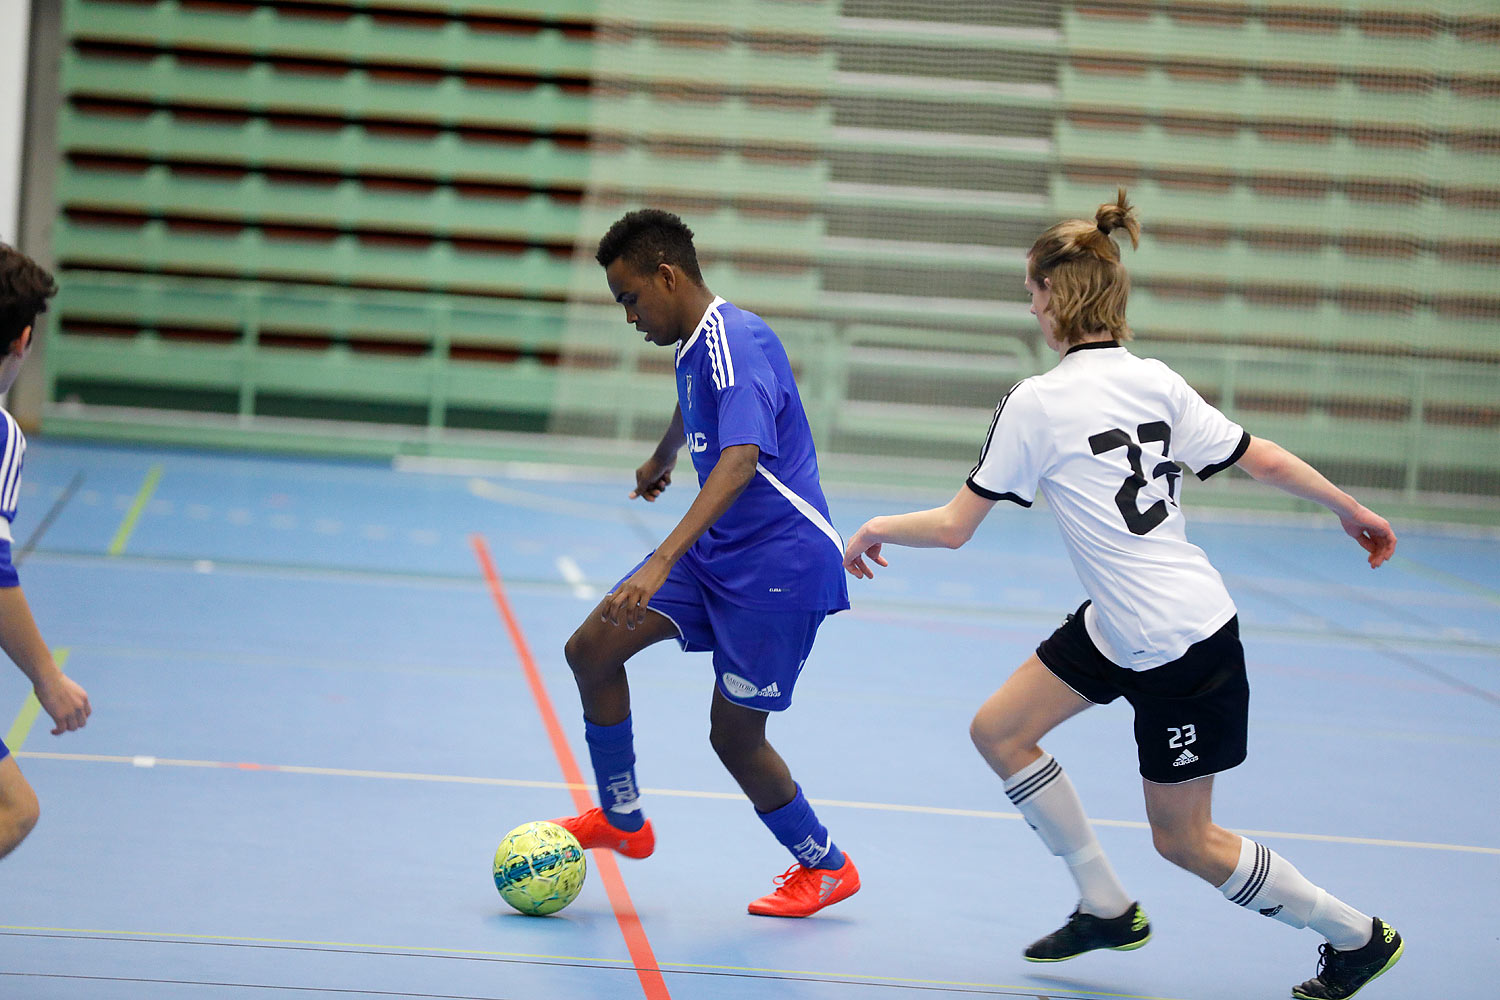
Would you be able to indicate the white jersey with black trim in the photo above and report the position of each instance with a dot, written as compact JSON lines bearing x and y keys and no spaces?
{"x":1100,"y":436}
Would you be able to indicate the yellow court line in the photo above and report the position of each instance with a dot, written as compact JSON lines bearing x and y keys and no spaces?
{"x":456,"y":779}
{"x":15,"y":737}
{"x":142,"y":497}
{"x":168,"y":937}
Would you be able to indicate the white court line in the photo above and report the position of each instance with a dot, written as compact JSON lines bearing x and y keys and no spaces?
{"x":572,"y":573}
{"x":511,"y":497}
{"x":458,"y":779}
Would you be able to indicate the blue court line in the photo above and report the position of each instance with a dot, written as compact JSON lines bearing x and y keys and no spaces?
{"x":67,"y":494}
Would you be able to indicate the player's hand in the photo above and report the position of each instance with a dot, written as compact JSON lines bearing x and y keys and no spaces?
{"x":628,"y":604}
{"x":860,"y":547}
{"x":66,"y":701}
{"x":1372,"y":532}
{"x":654,"y":475}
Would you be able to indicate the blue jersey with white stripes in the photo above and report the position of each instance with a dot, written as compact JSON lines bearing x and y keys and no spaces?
{"x":775,"y":547}
{"x":12,"y":454}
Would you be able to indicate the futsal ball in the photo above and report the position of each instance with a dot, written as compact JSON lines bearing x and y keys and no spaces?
{"x":539,"y":868}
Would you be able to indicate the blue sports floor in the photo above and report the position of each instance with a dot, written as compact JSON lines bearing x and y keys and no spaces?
{"x":312,"y":725}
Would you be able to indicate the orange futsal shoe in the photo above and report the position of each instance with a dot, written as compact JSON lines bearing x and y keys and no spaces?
{"x":801,"y":892}
{"x":593,"y":830}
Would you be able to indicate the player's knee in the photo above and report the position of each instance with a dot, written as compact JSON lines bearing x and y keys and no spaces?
{"x":994,"y":737}
{"x":579,"y":652}
{"x":1181,"y":847}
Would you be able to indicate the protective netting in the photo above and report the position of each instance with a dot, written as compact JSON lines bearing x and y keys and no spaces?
{"x":1318,"y":188}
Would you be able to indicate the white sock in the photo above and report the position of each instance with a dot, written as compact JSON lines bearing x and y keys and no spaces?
{"x":1265,"y":881}
{"x":1048,"y":802}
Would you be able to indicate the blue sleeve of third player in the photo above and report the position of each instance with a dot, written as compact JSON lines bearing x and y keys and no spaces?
{"x":8,"y":575}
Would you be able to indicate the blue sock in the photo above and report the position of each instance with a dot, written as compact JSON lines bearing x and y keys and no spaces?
{"x":797,"y":827}
{"x":612,"y":752}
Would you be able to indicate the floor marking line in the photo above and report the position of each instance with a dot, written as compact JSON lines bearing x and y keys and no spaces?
{"x":174,"y":937}
{"x":581,"y":787}
{"x":20,"y":728}
{"x":481,"y":955}
{"x":575,"y":576}
{"x":51,"y":515}
{"x":142,"y":497}
{"x":331,"y":990}
{"x":15,"y":737}
{"x":652,"y":983}
{"x":511,"y":497}
{"x":1445,"y":576}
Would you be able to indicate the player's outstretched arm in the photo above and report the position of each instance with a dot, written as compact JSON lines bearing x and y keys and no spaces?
{"x":946,"y":527}
{"x":1272,"y":464}
{"x":65,"y":701}
{"x":655,"y":473}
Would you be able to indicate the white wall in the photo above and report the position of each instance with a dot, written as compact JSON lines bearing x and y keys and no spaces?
{"x":15,"y":22}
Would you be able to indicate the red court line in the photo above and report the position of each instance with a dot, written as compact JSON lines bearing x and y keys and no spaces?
{"x":641,"y":955}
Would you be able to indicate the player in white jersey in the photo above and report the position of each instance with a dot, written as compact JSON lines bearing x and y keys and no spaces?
{"x":24,"y":290}
{"x":1100,"y":436}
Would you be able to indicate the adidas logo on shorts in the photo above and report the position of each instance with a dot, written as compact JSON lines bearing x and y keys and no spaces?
{"x":769,"y":691}
{"x":1188,"y":757}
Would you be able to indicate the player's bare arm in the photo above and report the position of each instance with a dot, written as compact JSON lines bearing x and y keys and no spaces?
{"x":62,"y":697}
{"x":1272,"y":464}
{"x":730,"y":475}
{"x":945,"y":527}
{"x":655,"y":474}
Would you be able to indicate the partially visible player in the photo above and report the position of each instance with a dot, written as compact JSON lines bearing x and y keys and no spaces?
{"x":1100,"y":436}
{"x":24,"y":290}
{"x":749,"y":573}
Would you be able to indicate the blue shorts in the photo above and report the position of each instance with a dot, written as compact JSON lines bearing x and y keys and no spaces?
{"x":4,"y":750}
{"x":757,"y":654}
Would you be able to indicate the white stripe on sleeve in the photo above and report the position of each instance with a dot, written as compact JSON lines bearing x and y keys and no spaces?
{"x":10,"y":465}
{"x":722,"y":335}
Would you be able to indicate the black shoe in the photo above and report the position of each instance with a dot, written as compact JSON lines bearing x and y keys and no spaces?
{"x":1086,"y":932}
{"x":1341,"y":974}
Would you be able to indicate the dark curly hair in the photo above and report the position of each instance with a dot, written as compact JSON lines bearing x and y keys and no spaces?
{"x":25,"y":287}
{"x":648,"y":237}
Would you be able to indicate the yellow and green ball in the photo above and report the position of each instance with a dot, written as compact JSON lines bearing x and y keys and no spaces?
{"x":539,"y":868}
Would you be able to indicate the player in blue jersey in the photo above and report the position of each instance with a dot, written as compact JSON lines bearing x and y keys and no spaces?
{"x":24,"y":291}
{"x":749,"y":573}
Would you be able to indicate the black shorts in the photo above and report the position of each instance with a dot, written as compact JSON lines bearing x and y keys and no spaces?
{"x":1191,"y":715}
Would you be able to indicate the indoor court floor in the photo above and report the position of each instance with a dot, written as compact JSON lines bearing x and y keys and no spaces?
{"x":323,"y":691}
